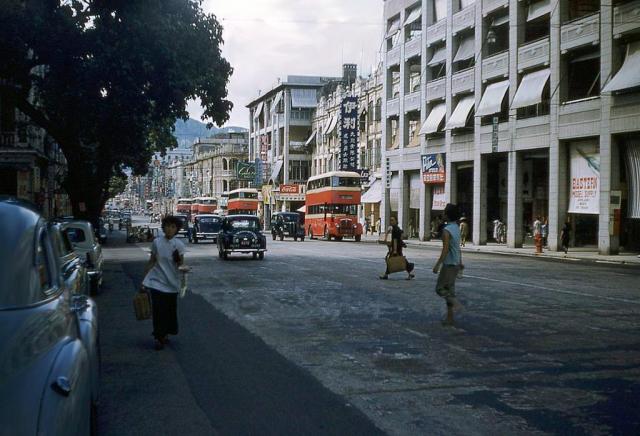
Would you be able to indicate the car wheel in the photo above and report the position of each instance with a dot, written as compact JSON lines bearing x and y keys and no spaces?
{"x":295,"y":238}
{"x":327,"y":236}
{"x":358,"y":238}
{"x":338,"y":238}
{"x":225,"y":255}
{"x":302,"y":239}
{"x":195,"y":240}
{"x":261,"y":255}
{"x":255,"y":256}
{"x":273,"y":235}
{"x":282,"y":237}
{"x":219,"y":253}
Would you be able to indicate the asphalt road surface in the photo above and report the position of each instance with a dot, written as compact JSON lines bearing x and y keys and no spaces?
{"x":310,"y":341}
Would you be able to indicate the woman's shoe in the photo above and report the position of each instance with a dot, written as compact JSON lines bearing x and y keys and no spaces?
{"x":384,"y":277}
{"x":411,"y":276}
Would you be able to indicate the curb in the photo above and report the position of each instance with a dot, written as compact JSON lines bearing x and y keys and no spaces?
{"x":531,"y":255}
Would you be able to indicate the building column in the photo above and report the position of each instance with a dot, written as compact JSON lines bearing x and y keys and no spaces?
{"x":558,"y":191}
{"x":514,"y":201}
{"x":609,"y":181}
{"x":451,"y":185}
{"x":479,"y":200}
{"x":424,"y":227}
{"x":403,"y":200}
{"x":287,"y":120}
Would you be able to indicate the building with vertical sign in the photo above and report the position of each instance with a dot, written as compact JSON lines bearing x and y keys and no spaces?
{"x":534,"y":106}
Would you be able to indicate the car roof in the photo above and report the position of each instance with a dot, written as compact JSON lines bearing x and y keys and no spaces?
{"x":212,"y":215}
{"x":244,"y":216}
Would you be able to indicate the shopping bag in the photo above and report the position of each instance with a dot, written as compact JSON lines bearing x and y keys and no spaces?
{"x":142,"y":306}
{"x":184,"y":285}
{"x":396,"y":264}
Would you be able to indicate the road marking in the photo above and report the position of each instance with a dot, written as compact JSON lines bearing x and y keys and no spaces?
{"x":560,"y":291}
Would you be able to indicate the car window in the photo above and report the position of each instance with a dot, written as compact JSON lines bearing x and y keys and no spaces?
{"x":244,"y":224}
{"x":45,"y":265}
{"x":209,"y":220}
{"x":75,"y":234}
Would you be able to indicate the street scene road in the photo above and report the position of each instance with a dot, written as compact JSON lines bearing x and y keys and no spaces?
{"x":310,"y":341}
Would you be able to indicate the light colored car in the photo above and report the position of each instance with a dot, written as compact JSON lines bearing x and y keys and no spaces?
{"x":74,"y":270}
{"x":48,"y":333}
{"x":82,"y":236}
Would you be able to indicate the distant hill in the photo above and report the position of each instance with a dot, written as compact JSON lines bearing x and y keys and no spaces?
{"x":186,"y":132}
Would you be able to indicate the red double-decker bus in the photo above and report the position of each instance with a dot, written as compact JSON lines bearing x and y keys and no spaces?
{"x":331,"y":205}
{"x":204,"y":205}
{"x":243,"y":201}
{"x":184,"y":205}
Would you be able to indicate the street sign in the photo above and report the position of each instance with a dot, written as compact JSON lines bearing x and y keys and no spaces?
{"x":349,"y":134}
{"x":433,"y":168}
{"x":246,"y":171}
{"x":494,"y":135}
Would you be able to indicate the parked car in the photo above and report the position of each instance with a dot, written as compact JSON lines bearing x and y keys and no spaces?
{"x":205,"y":226}
{"x":48,"y":333}
{"x":81,"y":235}
{"x":289,"y":224}
{"x":241,"y":234}
{"x":125,"y":220}
{"x":74,"y":269}
{"x":184,"y":231}
{"x":101,"y":231}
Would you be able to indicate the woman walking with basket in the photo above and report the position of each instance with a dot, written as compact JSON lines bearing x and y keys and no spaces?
{"x":162,"y":280}
{"x":395,"y":250}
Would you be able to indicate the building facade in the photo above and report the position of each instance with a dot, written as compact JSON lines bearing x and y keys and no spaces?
{"x":514,"y":110}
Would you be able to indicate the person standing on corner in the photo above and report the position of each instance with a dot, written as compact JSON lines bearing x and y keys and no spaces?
{"x":162,"y":280}
{"x":449,"y":263}
{"x":565,"y":235}
{"x":464,"y":230}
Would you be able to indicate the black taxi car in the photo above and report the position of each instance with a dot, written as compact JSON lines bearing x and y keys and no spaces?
{"x":289,"y":224}
{"x":241,"y":234}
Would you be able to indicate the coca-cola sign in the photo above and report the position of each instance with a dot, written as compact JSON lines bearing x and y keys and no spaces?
{"x":289,"y":189}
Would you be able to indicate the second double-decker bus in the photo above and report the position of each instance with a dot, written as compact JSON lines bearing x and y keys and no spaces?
{"x":243,"y":201}
{"x":184,"y":205}
{"x":331,"y":205}
{"x":205,"y":205}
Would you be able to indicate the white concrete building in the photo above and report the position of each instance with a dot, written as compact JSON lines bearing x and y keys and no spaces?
{"x":532,"y":106}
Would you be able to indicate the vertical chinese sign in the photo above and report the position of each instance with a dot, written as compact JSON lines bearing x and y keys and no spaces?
{"x":349,"y":134}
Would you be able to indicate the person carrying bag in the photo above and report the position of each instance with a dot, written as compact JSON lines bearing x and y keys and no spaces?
{"x":395,"y":261}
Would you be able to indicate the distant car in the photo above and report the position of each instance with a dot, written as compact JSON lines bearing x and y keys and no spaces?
{"x":48,"y":338}
{"x":289,"y":224}
{"x":205,"y":227}
{"x":81,"y":235}
{"x":184,"y":231}
{"x":101,"y":231}
{"x":241,"y":234}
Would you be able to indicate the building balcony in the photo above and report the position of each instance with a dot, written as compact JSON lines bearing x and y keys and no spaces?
{"x":413,"y":48}
{"x":412,"y":102}
{"x":437,"y":32}
{"x":626,"y":18}
{"x":534,"y":54}
{"x":580,"y":32}
{"x":463,"y":81}
{"x":298,"y":146}
{"x":436,"y":89}
{"x":464,"y":19}
{"x":489,"y":6}
{"x":393,"y":57}
{"x":495,"y":66}
{"x":393,"y":107}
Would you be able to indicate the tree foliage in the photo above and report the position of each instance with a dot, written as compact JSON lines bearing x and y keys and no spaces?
{"x":108,"y":78}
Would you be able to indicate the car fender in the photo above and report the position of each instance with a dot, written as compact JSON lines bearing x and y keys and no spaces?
{"x":86,"y":311}
{"x":65,"y":406}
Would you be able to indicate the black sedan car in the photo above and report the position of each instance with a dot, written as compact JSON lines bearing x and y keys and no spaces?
{"x":205,"y":227}
{"x":48,"y":332}
{"x":289,"y":224}
{"x":241,"y":234}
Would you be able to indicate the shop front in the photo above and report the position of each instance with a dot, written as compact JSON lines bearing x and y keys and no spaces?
{"x":370,"y":202}
{"x":584,"y":192}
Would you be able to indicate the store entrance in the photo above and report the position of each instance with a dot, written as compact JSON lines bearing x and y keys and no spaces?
{"x":496,"y":195}
{"x":464,"y":192}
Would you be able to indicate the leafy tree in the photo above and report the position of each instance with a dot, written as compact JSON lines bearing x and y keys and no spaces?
{"x":117,"y":185}
{"x":107,"y":79}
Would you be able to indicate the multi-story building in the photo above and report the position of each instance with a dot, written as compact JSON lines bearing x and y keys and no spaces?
{"x":280,"y":135}
{"x":521,"y":109}
{"x":325,"y":145}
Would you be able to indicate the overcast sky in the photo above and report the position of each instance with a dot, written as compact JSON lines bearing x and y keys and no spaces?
{"x":268,"y":39}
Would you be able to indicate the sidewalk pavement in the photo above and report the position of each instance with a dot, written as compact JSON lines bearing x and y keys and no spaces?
{"x":575,"y":254}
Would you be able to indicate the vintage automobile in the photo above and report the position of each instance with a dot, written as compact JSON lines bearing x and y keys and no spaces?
{"x":48,"y":333}
{"x":289,"y":224}
{"x":241,"y":234}
{"x":184,"y":231}
{"x":82,"y":237}
{"x":205,"y":226}
{"x":74,"y":269}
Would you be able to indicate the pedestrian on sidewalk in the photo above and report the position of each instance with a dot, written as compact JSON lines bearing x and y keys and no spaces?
{"x":545,"y":232}
{"x":395,"y":246}
{"x":464,"y":230}
{"x":377,"y":228}
{"x":162,"y":280}
{"x":449,"y":263}
{"x":565,"y":236}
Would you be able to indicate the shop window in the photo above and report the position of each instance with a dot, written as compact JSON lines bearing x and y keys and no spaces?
{"x":582,"y":78}
{"x":497,"y":36}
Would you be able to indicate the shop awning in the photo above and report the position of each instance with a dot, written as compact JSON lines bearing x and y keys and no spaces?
{"x":439,"y":56}
{"x":461,"y":113}
{"x":499,"y":21}
{"x":434,"y":119}
{"x":276,"y":170}
{"x":311,"y":138}
{"x":413,"y":16}
{"x":331,"y":125}
{"x":530,"y":90}
{"x":373,"y":194}
{"x":466,"y":50}
{"x":538,"y":9}
{"x":304,"y":98}
{"x":393,"y":28}
{"x":628,"y":76}
{"x":258,"y":111}
{"x":276,"y":102}
{"x":491,"y":102}
{"x":302,"y":209}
